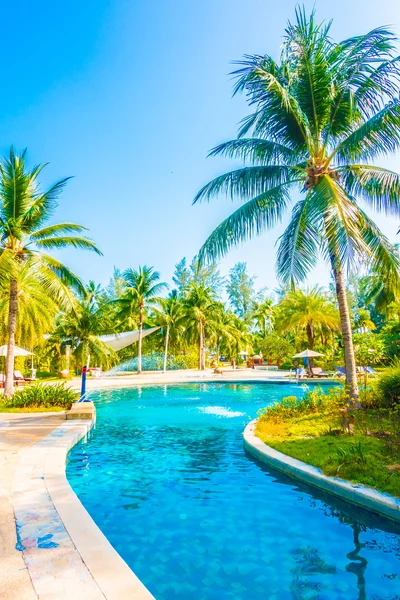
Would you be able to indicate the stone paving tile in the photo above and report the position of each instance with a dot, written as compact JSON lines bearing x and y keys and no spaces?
{"x":55,"y":567}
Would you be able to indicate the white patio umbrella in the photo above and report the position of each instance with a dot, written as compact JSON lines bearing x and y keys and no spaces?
{"x":17,"y":351}
{"x":307,"y":354}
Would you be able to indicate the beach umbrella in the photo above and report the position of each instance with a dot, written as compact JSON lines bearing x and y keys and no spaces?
{"x":17,"y":351}
{"x":307,"y":354}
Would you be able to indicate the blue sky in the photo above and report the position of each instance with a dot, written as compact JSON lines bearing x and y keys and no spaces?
{"x":128,"y":96}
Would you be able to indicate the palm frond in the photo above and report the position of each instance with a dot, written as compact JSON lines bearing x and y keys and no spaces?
{"x":378,"y":187}
{"x":56,"y":230}
{"x":62,"y":272}
{"x":304,"y":55}
{"x":247,"y":182}
{"x":79,"y":242}
{"x":256,"y":150}
{"x":299,"y":244}
{"x":253,"y":218}
{"x":278,"y":115}
{"x":377,"y":136}
{"x":43,"y":206}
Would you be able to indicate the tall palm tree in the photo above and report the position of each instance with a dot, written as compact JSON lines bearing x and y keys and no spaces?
{"x":264,"y":314}
{"x":322,"y":114}
{"x":200,"y":309}
{"x":36,"y":309}
{"x":308,"y":311}
{"x":24,"y":211}
{"x":142,"y":290}
{"x":169,"y":316}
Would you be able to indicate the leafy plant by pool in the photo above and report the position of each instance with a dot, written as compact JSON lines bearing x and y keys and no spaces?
{"x":40,"y":396}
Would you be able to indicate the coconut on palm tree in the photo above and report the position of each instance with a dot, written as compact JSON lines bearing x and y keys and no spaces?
{"x":25,"y":239}
{"x":322,"y":114}
{"x":142,"y":289}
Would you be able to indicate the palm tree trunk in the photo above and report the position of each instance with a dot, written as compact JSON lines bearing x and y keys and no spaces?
{"x":140,"y":341}
{"x":349,"y":357}
{"x":202,"y":365}
{"x":166,"y":350}
{"x":12,"y":323}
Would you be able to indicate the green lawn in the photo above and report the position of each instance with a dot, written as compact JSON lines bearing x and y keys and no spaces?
{"x":317,"y":439}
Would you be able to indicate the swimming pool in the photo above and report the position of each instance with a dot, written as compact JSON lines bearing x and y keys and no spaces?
{"x":166,"y":478}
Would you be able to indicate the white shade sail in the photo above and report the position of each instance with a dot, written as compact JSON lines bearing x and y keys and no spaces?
{"x":307,"y":354}
{"x":117,"y":341}
{"x":17,"y":351}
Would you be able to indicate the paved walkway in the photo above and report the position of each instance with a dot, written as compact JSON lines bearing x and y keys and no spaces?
{"x":17,"y":433}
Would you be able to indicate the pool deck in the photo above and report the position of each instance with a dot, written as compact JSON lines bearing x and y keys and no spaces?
{"x":51,"y":549}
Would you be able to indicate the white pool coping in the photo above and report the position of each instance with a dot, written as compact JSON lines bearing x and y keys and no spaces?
{"x":368,"y":498}
{"x":82,"y":565}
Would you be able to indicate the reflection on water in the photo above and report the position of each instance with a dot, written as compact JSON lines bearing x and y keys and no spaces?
{"x":166,"y":478}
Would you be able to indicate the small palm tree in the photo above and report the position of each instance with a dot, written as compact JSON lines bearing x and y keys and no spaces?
{"x":81,"y":326}
{"x":24,"y":211}
{"x":308,"y":311}
{"x":142,"y":290}
{"x":169,"y":316}
{"x":200,"y":310}
{"x":322,"y":115}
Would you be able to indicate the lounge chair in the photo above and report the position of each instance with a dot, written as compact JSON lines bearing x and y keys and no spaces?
{"x":19,"y":378}
{"x":370,"y":371}
{"x":341,"y":371}
{"x":301,"y":373}
{"x":318,"y":372}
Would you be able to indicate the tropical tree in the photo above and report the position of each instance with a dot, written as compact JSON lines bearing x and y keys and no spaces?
{"x":200,"y":312}
{"x":308,"y":311}
{"x":36,"y":309}
{"x":240,"y":290}
{"x":199,"y":273}
{"x":263,"y":313}
{"x":24,"y":211}
{"x":142,"y":289}
{"x":322,"y":114}
{"x":169,"y":317}
{"x":81,"y":326}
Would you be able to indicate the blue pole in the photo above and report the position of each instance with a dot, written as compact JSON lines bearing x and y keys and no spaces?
{"x":83,"y":397}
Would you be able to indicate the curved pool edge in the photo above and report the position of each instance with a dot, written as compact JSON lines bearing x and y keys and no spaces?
{"x":368,"y":498}
{"x":79,"y":562}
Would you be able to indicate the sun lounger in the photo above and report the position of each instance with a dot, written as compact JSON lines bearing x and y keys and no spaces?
{"x":318,"y":372}
{"x":19,"y":379}
{"x":370,"y":371}
{"x":341,"y":371}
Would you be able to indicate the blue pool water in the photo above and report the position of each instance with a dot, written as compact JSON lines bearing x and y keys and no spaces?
{"x":166,"y":478}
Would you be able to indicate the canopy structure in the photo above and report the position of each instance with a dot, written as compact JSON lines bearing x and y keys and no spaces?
{"x":17,"y":351}
{"x":117,"y":341}
{"x":307,"y":354}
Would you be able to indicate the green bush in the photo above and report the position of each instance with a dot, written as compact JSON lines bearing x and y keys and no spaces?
{"x":315,"y":400}
{"x":42,"y":396}
{"x":388,"y":387}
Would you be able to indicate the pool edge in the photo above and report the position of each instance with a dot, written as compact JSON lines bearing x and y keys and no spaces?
{"x":368,"y":498}
{"x":110,"y":572}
